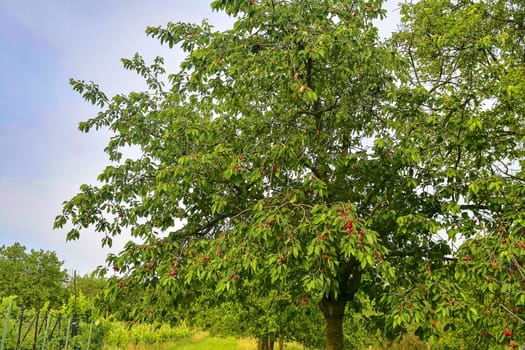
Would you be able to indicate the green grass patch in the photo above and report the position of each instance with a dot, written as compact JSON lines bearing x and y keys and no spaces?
{"x":201,"y":341}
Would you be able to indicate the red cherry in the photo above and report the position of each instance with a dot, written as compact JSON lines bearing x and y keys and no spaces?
{"x":507,"y":333}
{"x":282,"y":260}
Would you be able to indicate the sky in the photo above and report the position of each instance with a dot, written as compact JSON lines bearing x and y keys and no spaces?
{"x":43,"y":157}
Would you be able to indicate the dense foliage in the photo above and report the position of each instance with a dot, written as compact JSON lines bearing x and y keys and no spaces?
{"x":295,"y":156}
{"x":466,"y":62}
{"x":21,"y":271}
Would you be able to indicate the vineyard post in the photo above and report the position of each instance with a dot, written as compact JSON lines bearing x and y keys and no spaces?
{"x":6,"y":323}
{"x":20,"y":324}
{"x":89,"y":336}
{"x":36,"y":328}
{"x":45,"y":330}
{"x":74,"y":322}
{"x":67,"y":334}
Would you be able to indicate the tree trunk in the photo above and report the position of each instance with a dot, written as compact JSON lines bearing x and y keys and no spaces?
{"x":333,"y":311}
{"x":281,"y":342}
{"x":264,"y":343}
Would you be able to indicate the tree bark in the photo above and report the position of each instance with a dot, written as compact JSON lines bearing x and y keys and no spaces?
{"x":333,"y":311}
{"x":264,"y":343}
{"x":281,"y":342}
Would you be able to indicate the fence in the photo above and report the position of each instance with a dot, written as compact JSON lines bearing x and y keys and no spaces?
{"x":46,"y":329}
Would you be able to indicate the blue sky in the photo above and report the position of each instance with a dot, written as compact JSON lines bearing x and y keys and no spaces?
{"x":43,"y":156}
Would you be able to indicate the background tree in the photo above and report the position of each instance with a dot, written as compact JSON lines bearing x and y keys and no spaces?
{"x":89,"y":285}
{"x":465,"y":65}
{"x":35,"y":277}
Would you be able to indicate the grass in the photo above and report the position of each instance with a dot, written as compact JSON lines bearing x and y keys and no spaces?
{"x":203,"y":341}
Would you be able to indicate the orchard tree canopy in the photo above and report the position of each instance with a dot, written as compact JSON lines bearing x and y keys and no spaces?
{"x":296,"y":152}
{"x":466,"y":60}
